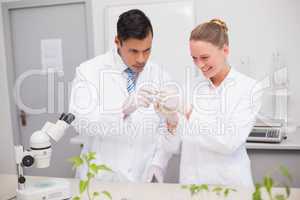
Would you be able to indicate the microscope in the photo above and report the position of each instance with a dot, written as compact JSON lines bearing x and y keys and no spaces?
{"x":39,"y":155}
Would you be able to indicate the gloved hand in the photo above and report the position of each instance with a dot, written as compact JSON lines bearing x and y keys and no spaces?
{"x":140,"y":98}
{"x":169,"y":99}
{"x":167,"y":105}
{"x":155,"y":171}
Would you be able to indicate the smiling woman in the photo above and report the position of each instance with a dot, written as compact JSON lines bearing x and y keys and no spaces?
{"x":209,"y":50}
{"x":224,"y":105}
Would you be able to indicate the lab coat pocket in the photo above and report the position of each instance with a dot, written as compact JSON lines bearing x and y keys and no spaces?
{"x":207,"y":104}
{"x":230,"y":176}
{"x":113,"y":94}
{"x":237,"y":175}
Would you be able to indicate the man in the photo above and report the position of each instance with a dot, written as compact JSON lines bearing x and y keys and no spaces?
{"x":112,"y":99}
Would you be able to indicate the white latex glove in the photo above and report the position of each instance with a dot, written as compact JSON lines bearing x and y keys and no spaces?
{"x":155,"y":171}
{"x":169,"y":100}
{"x":167,"y":105}
{"x":141,"y":98}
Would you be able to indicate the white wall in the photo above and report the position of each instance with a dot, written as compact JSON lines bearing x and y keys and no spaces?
{"x":257,"y":29}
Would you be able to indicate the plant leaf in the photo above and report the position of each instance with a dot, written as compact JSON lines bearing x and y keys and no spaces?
{"x":103,"y":168}
{"x":203,"y":187}
{"x":90,"y":175}
{"x":107,"y":194}
{"x":94,"y":168}
{"x":226,"y":192}
{"x":257,"y":194}
{"x":82,"y":186}
{"x":280,"y":197}
{"x":96,"y":194}
{"x":76,"y":198}
{"x":268,"y":183}
{"x":287,"y":190}
{"x":91,"y":156}
{"x":285,"y":172}
{"x":185,"y":187}
{"x":194,"y":189}
{"x":76,"y":161}
{"x":233,"y":190}
{"x":257,"y":186}
{"x":217,"y":190}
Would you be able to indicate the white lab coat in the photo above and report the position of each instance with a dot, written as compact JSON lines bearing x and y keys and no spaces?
{"x":213,"y":138}
{"x":127,"y":146}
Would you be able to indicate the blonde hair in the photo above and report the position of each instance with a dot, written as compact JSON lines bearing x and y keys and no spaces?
{"x":214,"y":32}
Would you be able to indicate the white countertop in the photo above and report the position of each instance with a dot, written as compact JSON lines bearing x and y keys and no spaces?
{"x":131,"y":191}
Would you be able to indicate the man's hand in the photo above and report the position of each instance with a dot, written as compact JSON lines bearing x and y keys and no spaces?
{"x":166,"y":105}
{"x":168,"y":100}
{"x":141,"y":98}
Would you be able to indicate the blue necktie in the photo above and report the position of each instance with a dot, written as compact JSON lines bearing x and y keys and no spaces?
{"x":131,"y":80}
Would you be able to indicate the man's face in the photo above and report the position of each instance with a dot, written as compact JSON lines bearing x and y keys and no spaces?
{"x":135,"y":52}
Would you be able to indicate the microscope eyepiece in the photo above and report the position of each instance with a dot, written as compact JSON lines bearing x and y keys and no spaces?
{"x":68,"y":118}
{"x":62,"y":116}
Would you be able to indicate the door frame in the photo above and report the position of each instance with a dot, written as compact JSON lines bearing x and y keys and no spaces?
{"x":10,"y":67}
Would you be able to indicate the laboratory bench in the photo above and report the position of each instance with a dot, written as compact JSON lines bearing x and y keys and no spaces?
{"x":265,"y":157}
{"x":133,"y":191}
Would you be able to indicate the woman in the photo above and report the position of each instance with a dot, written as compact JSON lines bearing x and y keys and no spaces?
{"x":213,"y":134}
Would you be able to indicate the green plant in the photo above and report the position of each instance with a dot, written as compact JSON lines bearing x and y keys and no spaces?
{"x":93,"y":170}
{"x":218,"y":190}
{"x":269,"y":183}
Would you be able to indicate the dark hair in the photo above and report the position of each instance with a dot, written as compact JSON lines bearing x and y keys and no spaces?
{"x":133,"y":24}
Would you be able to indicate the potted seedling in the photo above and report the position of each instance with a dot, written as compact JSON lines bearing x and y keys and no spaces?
{"x":93,"y":170}
{"x":202,"y":191}
{"x":269,"y":183}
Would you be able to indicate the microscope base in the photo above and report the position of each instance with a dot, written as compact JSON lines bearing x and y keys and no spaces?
{"x":45,"y":190}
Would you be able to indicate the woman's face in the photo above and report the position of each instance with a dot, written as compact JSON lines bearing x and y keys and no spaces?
{"x":209,"y":58}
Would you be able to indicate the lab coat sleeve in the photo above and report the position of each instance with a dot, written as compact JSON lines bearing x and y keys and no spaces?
{"x":167,"y":145}
{"x":85,"y":105}
{"x":235,"y":126}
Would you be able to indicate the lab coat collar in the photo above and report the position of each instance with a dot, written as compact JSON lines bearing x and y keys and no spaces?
{"x":114,"y":60}
{"x":118,"y":60}
{"x":229,"y":77}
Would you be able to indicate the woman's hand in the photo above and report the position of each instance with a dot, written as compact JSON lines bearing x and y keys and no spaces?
{"x":166,"y":105}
